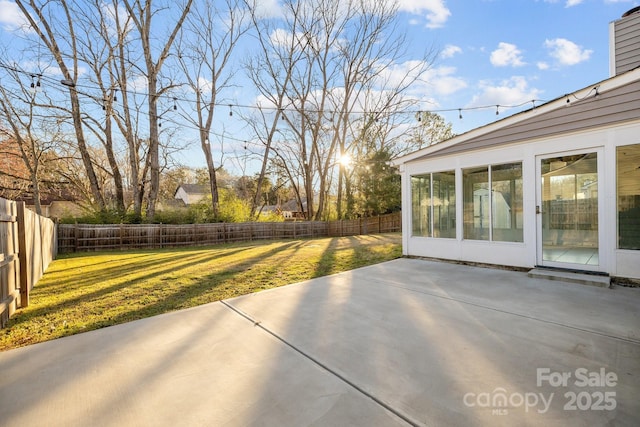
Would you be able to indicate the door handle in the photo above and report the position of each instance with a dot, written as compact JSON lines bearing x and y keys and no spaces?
{"x":538,"y":210}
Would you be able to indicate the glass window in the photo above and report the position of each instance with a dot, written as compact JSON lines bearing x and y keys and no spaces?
{"x":506,"y":189}
{"x":444,"y":204}
{"x":628,"y":184}
{"x":421,"y":205}
{"x":433,"y":204}
{"x":476,"y":200}
{"x":492,"y":198}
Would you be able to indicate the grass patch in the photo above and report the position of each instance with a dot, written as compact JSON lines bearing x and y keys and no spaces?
{"x":82,"y":292}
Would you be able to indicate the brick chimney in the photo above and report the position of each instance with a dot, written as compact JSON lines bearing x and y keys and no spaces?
{"x":624,"y":43}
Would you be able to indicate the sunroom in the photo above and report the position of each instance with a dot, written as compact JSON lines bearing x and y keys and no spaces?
{"x":555,"y":186}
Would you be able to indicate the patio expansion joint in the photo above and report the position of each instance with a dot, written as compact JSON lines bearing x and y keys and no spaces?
{"x":512,"y":313}
{"x":323,"y":366}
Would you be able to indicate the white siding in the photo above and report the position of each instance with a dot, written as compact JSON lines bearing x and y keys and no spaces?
{"x":603,"y":140}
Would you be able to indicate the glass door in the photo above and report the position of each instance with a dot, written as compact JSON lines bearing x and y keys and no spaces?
{"x":568,"y":211}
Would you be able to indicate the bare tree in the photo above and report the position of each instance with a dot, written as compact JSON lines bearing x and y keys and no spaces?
{"x":54,"y":25}
{"x":142,"y":13}
{"x":33,"y":134}
{"x":339,"y":60}
{"x":204,"y":52}
{"x":97,"y":52}
{"x":271,"y":72}
{"x":17,"y":110}
{"x":122,"y":70}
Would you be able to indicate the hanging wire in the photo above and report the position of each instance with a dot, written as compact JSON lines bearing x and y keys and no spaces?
{"x":79,"y":89}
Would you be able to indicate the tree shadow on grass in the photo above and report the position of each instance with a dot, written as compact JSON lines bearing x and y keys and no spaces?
{"x":190,"y":295}
{"x":152,"y":292}
{"x":127,"y":267}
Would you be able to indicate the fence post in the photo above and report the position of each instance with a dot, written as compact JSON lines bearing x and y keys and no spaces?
{"x":75,"y":237}
{"x":22,"y":256}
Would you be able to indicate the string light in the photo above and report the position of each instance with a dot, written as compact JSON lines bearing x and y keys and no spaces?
{"x":71,"y":84}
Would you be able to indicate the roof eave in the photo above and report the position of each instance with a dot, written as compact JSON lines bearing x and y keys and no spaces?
{"x":558,"y":103}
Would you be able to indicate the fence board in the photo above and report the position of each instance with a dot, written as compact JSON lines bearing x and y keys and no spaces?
{"x":91,"y":237}
{"x":27,"y":245}
{"x":9,"y":280}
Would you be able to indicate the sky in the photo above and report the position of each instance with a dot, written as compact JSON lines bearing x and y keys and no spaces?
{"x":492,"y":53}
{"x":508,"y":52}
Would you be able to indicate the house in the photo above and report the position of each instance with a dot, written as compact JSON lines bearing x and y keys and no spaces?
{"x":191,"y":193}
{"x":292,"y":210}
{"x":55,"y":205}
{"x":554,"y":186}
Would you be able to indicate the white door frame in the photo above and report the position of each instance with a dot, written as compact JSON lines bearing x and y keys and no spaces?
{"x":601,"y":267}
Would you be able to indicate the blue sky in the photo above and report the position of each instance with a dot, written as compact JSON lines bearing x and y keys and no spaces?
{"x":511,"y":51}
{"x":492,"y":52}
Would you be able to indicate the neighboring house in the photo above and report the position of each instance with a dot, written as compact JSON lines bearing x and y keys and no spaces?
{"x":191,"y":193}
{"x":55,"y":206}
{"x":291,"y":210}
{"x":555,"y":186}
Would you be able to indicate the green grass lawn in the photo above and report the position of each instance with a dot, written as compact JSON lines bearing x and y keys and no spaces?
{"x":81,"y":292}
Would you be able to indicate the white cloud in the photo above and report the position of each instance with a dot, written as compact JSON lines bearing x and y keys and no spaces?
{"x":204,"y":85}
{"x":396,"y":74}
{"x":571,"y":3}
{"x":450,"y":50}
{"x":281,"y":37}
{"x":542,"y":65}
{"x":138,"y":84}
{"x":11,"y":17}
{"x":111,"y":12}
{"x":513,"y":91}
{"x":432,"y":80}
{"x":566,"y":52}
{"x":444,"y":81}
{"x":507,"y":54}
{"x":268,"y":9}
{"x":434,"y":10}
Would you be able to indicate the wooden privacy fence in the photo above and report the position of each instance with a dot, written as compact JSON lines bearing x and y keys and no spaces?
{"x":28,"y":242}
{"x":90,"y":237}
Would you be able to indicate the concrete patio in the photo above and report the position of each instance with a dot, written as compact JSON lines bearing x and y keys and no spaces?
{"x":408,"y":342}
